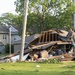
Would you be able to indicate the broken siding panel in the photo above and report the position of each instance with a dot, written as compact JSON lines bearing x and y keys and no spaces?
{"x":63,"y":33}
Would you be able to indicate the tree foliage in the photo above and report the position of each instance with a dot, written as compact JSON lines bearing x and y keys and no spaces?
{"x":11,"y":19}
{"x":47,"y":14}
{"x":43,"y":15}
{"x":7,"y":18}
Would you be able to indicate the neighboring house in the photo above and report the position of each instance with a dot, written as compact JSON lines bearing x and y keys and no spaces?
{"x":4,"y":36}
{"x":1,"y":48}
{"x":14,"y":35}
{"x":29,"y":40}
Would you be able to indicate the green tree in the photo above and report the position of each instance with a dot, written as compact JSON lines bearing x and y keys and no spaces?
{"x":7,"y":18}
{"x":46,"y":14}
{"x":11,"y":19}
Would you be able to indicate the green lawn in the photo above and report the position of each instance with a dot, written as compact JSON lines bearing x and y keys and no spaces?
{"x":23,"y":68}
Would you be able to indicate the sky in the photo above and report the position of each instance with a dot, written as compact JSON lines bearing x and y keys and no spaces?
{"x":7,"y":6}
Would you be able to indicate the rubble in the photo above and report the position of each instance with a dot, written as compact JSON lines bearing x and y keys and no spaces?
{"x":49,"y":44}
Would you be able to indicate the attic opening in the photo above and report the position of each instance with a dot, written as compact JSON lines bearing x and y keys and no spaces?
{"x":48,"y":37}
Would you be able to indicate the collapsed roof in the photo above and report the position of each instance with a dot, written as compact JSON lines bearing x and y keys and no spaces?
{"x":46,"y":41}
{"x":48,"y":38}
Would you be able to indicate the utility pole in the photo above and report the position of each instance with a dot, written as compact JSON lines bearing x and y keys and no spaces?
{"x":73,"y":36}
{"x":10,"y":39}
{"x":24,"y":29}
{"x":73,"y":15}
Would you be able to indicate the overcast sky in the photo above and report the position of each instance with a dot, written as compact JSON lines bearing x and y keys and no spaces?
{"x":7,"y":6}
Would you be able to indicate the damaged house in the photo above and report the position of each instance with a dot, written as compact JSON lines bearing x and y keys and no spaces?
{"x":51,"y":42}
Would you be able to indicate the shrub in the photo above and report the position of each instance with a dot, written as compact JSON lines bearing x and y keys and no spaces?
{"x":53,"y":61}
{"x":7,"y":48}
{"x":49,"y":61}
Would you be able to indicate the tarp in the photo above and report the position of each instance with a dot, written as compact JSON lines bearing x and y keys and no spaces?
{"x":67,"y":38}
{"x":63,"y":33}
{"x":15,"y":58}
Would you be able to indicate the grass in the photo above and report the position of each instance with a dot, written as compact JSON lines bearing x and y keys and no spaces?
{"x":24,"y":68}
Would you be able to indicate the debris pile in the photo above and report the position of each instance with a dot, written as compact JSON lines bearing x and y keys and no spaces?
{"x":49,"y":44}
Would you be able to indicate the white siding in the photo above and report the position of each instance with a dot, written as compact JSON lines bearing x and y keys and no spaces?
{"x":17,"y":47}
{"x":4,"y":40}
{"x":15,"y":38}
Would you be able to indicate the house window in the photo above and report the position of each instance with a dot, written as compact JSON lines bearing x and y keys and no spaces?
{"x":14,"y":38}
{"x":4,"y":36}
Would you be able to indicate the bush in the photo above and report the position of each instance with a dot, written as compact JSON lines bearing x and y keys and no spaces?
{"x":7,"y":48}
{"x":55,"y":61}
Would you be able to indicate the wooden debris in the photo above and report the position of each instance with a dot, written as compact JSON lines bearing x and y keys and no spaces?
{"x":51,"y":40}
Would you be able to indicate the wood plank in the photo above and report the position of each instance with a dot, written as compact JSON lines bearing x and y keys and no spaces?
{"x":43,"y":37}
{"x":34,"y":47}
{"x":46,"y":36}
